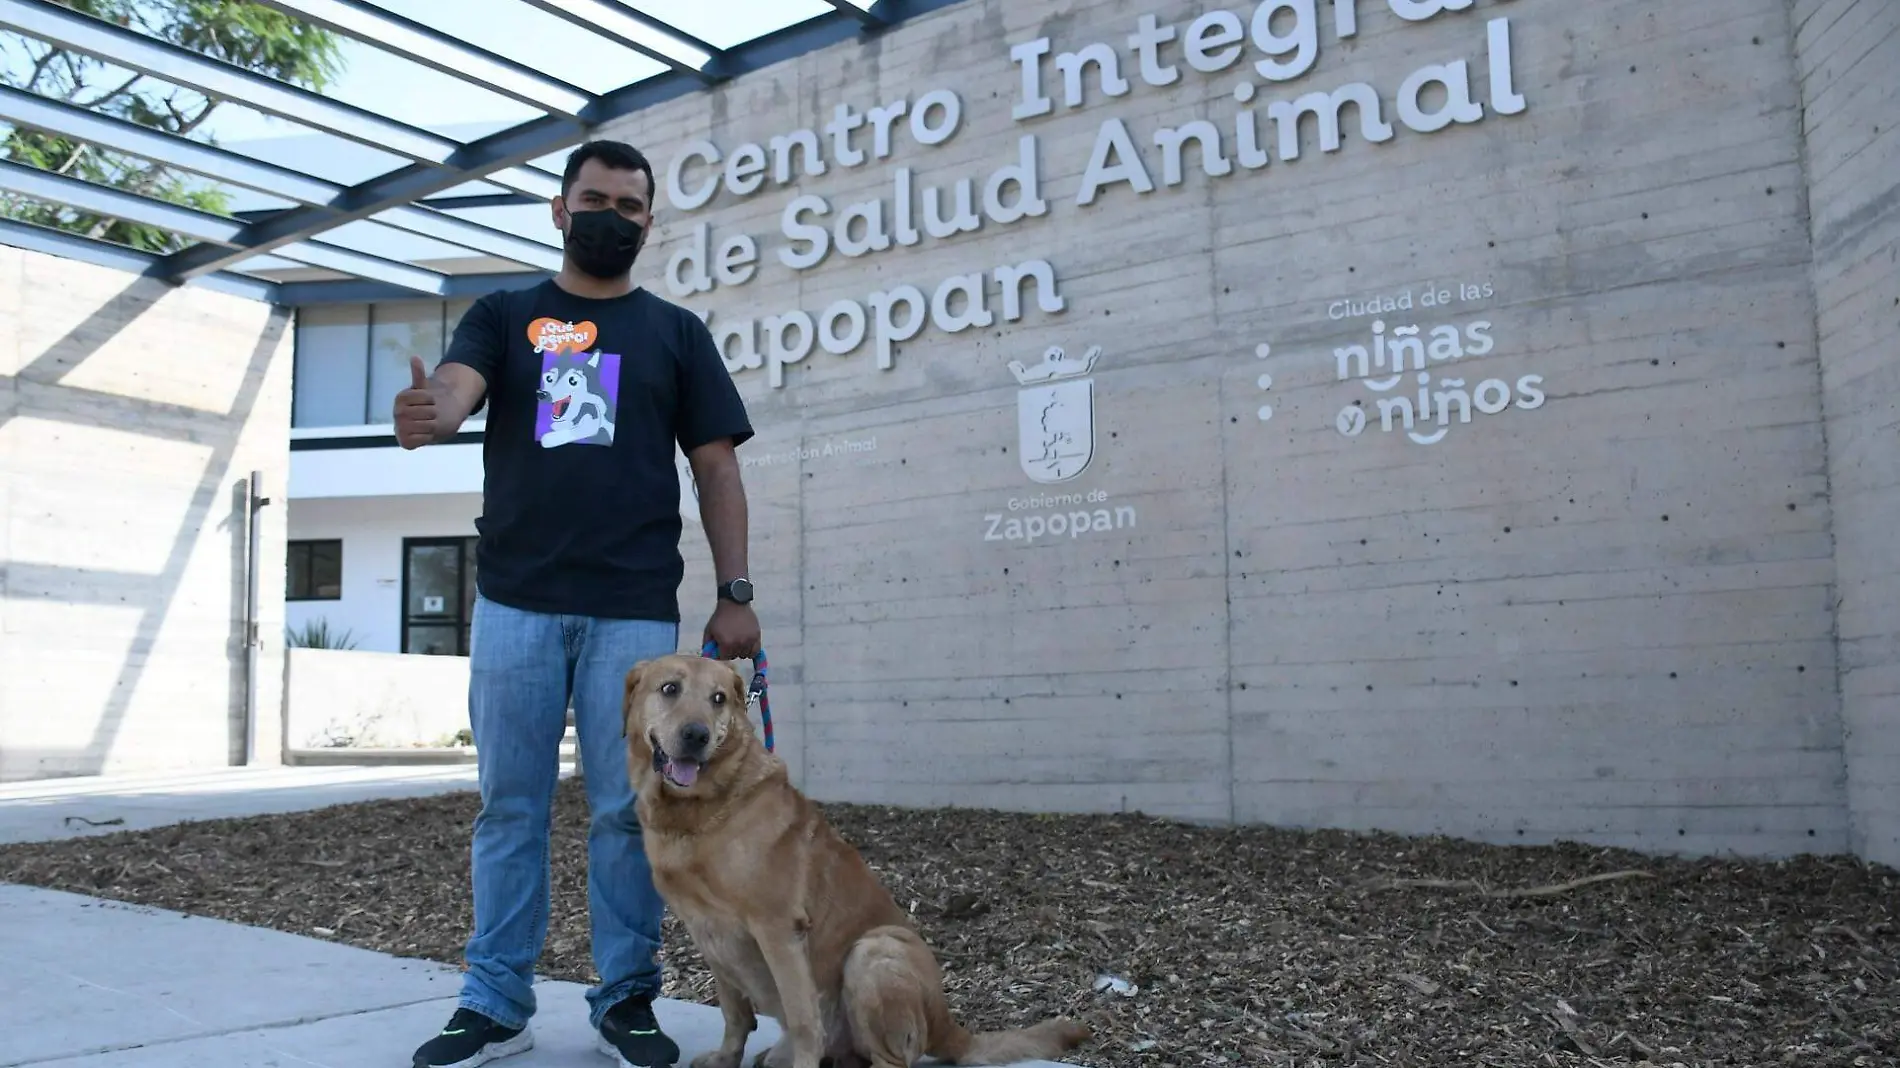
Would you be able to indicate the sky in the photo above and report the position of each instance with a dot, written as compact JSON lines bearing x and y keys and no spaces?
{"x":414,"y":93}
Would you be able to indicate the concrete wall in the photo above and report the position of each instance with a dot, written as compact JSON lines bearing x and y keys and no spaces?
{"x":131,"y":414}
{"x":372,"y":530}
{"x":1602,"y":612}
{"x":1848,"y":55}
{"x":338,"y":697}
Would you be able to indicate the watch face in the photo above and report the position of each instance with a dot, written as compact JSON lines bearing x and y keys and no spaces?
{"x":739,"y":590}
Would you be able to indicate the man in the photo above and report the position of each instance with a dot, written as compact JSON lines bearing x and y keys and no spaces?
{"x":589,"y":381}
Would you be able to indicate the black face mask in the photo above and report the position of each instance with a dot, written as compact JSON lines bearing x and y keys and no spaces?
{"x":603,"y":243}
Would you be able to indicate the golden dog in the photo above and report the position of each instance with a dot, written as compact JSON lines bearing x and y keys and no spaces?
{"x":789,"y":917}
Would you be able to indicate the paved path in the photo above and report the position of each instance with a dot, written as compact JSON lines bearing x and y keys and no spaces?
{"x":95,"y":984}
{"x":88,"y":983}
{"x":54,"y":809}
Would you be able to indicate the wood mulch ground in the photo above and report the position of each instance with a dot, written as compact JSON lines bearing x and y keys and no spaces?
{"x":1179,"y":945}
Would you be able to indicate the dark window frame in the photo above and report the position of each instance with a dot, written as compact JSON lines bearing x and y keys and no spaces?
{"x":463,"y":611}
{"x":301,"y":564}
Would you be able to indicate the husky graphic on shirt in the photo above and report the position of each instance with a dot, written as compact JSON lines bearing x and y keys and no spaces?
{"x":579,"y":390}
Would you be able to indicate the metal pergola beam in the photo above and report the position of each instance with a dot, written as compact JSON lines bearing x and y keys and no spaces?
{"x":411,"y":198}
{"x":358,"y":291}
{"x":403,"y":276}
{"x":432,"y":48}
{"x":470,"y":235}
{"x":535,"y":138}
{"x":623,"y":25}
{"x":128,"y":48}
{"x":53,"y":188}
{"x":529,"y":140}
{"x":119,"y":258}
{"x":210,"y":230}
{"x":864,"y":15}
{"x":79,"y":124}
{"x":480,"y":200}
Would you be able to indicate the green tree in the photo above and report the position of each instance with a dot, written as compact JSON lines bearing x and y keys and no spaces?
{"x":246,"y":34}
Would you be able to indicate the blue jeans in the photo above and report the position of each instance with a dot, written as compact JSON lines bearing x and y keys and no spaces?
{"x":522,"y":668}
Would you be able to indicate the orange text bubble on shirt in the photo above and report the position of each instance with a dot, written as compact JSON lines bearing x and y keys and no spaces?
{"x":548,"y":334}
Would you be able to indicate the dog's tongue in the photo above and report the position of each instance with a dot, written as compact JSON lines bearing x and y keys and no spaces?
{"x":683,"y":772}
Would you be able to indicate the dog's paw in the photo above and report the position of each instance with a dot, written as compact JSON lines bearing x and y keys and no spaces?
{"x":779,"y":1056}
{"x":718,"y":1059}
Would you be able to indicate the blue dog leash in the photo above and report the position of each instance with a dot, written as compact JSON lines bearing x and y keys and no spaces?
{"x":755,"y":692}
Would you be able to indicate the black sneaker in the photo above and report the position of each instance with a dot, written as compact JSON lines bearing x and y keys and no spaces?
{"x":630,"y":1033}
{"x":471,"y":1039}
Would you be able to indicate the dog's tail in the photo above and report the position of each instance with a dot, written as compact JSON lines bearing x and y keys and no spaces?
{"x":1037,"y":1042}
{"x":894,"y":1000}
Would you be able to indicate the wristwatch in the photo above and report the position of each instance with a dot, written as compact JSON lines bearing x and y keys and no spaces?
{"x":738,"y":591}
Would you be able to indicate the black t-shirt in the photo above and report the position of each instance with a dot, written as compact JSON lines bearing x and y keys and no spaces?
{"x":586,"y":398}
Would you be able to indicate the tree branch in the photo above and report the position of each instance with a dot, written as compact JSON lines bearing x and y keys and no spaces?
{"x":98,"y":229}
{"x":197,"y":120}
{"x":39,"y":68}
{"x":78,"y":151}
{"x":72,"y":71}
{"x":120,"y":91}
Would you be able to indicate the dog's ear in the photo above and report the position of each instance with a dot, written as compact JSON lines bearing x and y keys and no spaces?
{"x":626,"y":699}
{"x":739,"y":683}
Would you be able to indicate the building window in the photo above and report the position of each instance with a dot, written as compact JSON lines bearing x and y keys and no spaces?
{"x":330,"y":366}
{"x":438,"y":595}
{"x":314,"y":570}
{"x":398,"y":331}
{"x":350,"y":360}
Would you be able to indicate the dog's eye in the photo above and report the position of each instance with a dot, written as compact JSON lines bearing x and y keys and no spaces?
{"x":719,"y":697}
{"x":671,"y":689}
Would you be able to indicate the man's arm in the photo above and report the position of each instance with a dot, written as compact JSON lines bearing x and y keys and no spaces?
{"x":434,"y":406}
{"x":722,"y":507}
{"x":734,"y":627}
{"x":712,"y":424}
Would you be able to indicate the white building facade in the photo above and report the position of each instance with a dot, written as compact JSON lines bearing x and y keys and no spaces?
{"x":380,"y":542}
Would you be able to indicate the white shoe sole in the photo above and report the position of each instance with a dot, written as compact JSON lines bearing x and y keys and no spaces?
{"x":494,"y":1051}
{"x":607,"y":1050}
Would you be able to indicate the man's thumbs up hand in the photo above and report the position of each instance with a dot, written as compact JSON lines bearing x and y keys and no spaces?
{"x":415,"y":409}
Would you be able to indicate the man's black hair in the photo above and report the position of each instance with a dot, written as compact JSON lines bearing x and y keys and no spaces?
{"x":616,"y":155}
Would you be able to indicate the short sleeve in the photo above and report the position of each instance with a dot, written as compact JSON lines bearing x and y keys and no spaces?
{"x":710,"y":406}
{"x":480,"y":342}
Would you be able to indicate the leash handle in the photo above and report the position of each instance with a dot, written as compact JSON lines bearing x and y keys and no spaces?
{"x":755,"y":692}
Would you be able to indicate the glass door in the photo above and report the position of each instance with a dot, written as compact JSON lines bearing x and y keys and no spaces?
{"x":438,"y":595}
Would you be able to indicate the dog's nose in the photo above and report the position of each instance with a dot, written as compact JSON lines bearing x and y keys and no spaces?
{"x":694,"y":737}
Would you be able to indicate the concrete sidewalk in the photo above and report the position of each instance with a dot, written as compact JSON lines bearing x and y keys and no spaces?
{"x":105,"y":985}
{"x":48,"y":810}
{"x":90,"y":983}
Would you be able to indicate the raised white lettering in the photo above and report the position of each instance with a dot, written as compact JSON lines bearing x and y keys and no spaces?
{"x":1033,"y":101}
{"x":816,"y":236}
{"x":678,"y":195}
{"x":1325,"y":109}
{"x":1302,"y":43}
{"x":1113,"y":138}
{"x":1458,"y":106}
